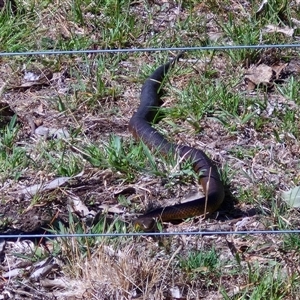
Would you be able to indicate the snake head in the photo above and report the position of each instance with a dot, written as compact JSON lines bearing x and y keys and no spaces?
{"x":146,"y":224}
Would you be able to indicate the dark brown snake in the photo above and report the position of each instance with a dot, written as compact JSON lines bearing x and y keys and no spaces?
{"x":140,"y":127}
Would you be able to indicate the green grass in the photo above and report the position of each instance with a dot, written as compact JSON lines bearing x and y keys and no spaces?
{"x":12,"y":158}
{"x":271,"y":285}
{"x":253,"y":135}
{"x":200,"y":263}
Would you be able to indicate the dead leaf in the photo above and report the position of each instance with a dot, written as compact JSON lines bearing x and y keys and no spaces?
{"x":259,"y":75}
{"x":263,"y":75}
{"x":57,"y":283}
{"x":32,"y":78}
{"x":112,"y":209}
{"x":30,"y":191}
{"x":12,"y":273}
{"x":43,"y":268}
{"x":77,"y":206}
{"x":54,"y":133}
{"x":278,"y":69}
{"x":274,"y":29}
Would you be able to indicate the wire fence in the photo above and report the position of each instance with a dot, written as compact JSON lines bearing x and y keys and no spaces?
{"x":130,"y":50}
{"x":130,"y":234}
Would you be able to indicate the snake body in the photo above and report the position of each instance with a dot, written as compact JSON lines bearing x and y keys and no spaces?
{"x":140,"y":127}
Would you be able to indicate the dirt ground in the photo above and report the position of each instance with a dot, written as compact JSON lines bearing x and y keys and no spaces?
{"x":68,"y":108}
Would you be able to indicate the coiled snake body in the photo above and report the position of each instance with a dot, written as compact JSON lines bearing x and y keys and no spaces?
{"x":140,"y":127}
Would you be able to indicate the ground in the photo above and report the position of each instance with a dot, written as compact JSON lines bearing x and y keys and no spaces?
{"x":70,"y":165}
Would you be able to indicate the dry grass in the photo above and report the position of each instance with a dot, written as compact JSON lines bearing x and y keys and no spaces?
{"x":252,"y":134}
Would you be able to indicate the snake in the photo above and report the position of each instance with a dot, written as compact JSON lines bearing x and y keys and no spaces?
{"x":140,"y":126}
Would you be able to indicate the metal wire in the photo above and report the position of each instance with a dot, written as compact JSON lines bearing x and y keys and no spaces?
{"x":90,"y":51}
{"x":130,"y":234}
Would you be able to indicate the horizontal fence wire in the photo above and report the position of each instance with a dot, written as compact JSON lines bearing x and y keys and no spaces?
{"x":131,"y":234}
{"x":128,"y":50}
{"x":91,"y":51}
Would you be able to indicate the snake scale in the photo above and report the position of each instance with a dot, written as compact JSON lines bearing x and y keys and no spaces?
{"x":140,"y":127}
